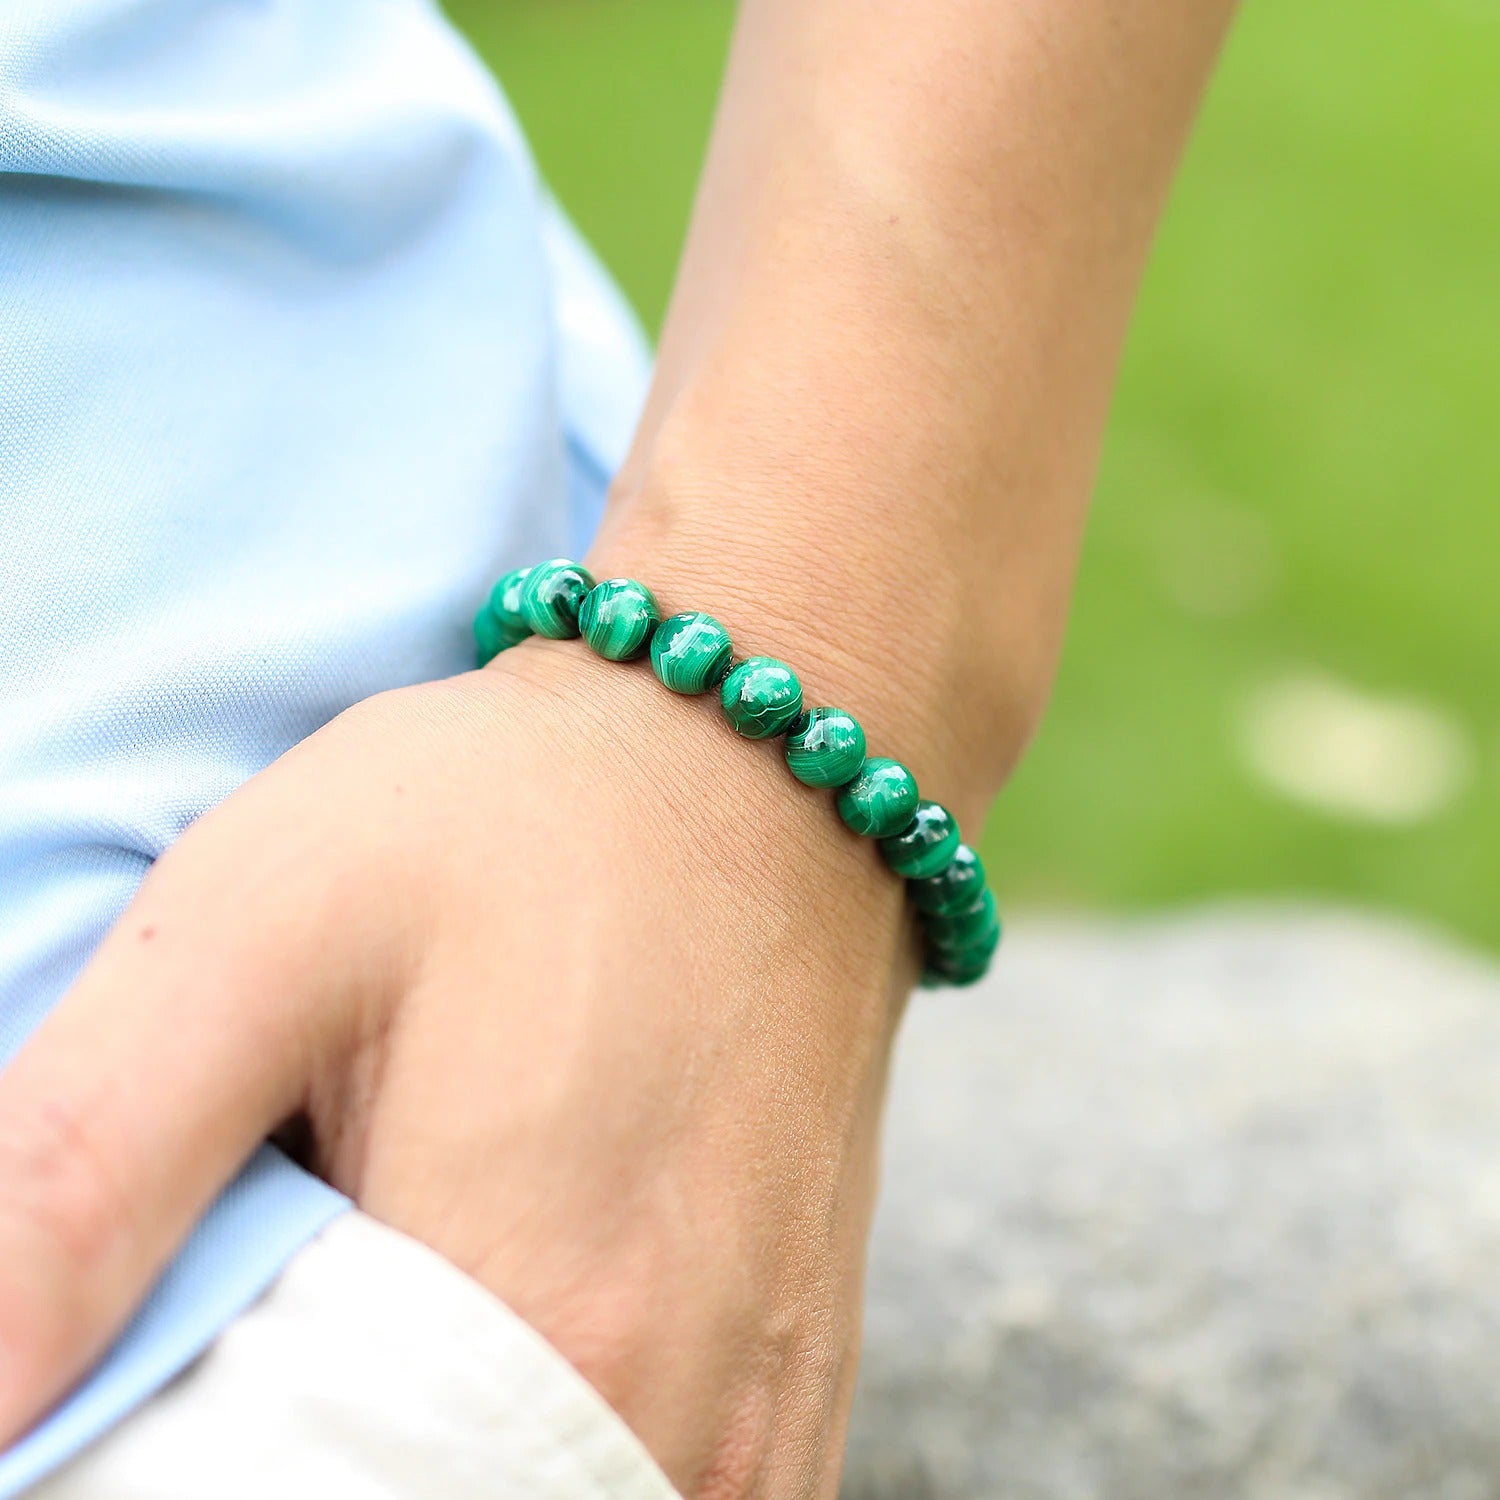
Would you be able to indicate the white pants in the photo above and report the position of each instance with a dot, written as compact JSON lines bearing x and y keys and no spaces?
{"x":372,"y":1370}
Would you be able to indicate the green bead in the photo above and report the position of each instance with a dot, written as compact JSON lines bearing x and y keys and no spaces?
{"x":551,"y":596}
{"x":979,"y":951}
{"x":962,"y":965}
{"x":880,"y":800}
{"x":761,"y":697}
{"x":690,"y":652}
{"x":499,"y":624}
{"x":617,"y":618}
{"x":951,"y":889}
{"x":505,"y":606}
{"x":925,"y":846}
{"x":489,"y":638}
{"x":825,"y":747}
{"x":962,"y":929}
{"x":940,"y":970}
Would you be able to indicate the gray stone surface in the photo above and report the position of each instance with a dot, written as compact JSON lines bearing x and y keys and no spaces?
{"x":1191,"y":1208}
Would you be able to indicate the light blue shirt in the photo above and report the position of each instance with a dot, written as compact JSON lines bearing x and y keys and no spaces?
{"x":295,"y":359}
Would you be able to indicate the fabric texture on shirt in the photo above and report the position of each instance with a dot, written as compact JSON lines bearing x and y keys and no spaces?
{"x":297,"y":358}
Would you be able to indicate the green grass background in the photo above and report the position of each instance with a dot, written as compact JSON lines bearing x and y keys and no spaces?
{"x":1311,"y":383}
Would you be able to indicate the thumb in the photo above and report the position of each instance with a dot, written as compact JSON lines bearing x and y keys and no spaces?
{"x":188,"y":1038}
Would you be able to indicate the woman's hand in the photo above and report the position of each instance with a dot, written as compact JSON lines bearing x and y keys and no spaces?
{"x":564,"y":980}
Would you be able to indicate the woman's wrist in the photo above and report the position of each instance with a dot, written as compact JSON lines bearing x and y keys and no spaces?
{"x":817,"y":567}
{"x":829,"y":900}
{"x":848,"y":446}
{"x":885,"y":372}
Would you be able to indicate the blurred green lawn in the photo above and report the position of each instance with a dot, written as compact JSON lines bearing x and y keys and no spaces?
{"x":1302,"y":475}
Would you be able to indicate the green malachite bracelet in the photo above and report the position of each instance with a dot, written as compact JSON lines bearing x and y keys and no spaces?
{"x":761,"y":697}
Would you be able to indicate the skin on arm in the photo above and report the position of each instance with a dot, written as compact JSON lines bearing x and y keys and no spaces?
{"x":563,"y":978}
{"x":890,"y":351}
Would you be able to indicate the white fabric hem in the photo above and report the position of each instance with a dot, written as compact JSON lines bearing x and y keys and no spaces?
{"x":372,"y":1370}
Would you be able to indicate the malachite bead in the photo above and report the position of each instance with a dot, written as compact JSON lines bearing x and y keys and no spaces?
{"x":617,"y":618}
{"x":962,"y":929}
{"x":980,"y":951}
{"x":925,"y":846}
{"x":972,"y":959}
{"x":551,"y":597}
{"x":505,"y":606}
{"x":941,"y":969}
{"x":489,"y":639}
{"x":962,"y":962}
{"x":952,"y":888}
{"x":499,"y":625}
{"x":825,"y":747}
{"x":761,"y":697}
{"x":690,"y":652}
{"x":880,"y":800}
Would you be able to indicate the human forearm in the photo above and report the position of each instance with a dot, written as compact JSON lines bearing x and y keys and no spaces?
{"x":884,"y":376}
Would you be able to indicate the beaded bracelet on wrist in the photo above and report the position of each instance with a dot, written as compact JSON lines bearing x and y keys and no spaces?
{"x":825,"y":747}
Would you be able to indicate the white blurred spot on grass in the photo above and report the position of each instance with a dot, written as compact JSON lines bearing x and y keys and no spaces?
{"x":1215,"y":559}
{"x":1351,"y":754}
